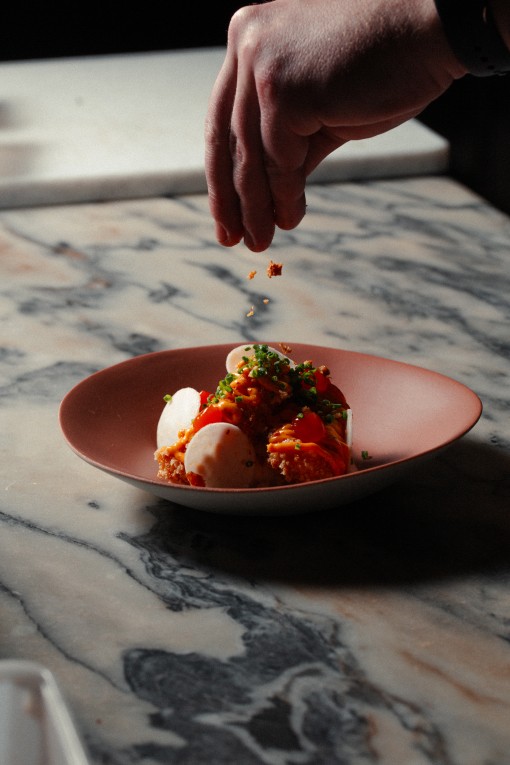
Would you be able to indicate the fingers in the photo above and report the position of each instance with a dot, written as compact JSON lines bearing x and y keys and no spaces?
{"x":284,"y":155}
{"x":249,"y":170}
{"x":255,"y":163}
{"x":255,"y":170}
{"x":252,"y":186}
{"x":223,"y":199}
{"x":240,"y":198}
{"x":256,"y":166}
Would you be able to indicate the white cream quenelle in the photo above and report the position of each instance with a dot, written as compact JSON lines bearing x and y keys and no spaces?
{"x":178,"y":414}
{"x":222,"y":455}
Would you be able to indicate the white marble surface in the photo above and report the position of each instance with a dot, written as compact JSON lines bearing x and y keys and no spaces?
{"x":377,"y":634}
{"x":122,"y":126}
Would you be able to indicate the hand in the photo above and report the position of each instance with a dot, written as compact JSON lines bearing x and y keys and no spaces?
{"x":301,"y":78}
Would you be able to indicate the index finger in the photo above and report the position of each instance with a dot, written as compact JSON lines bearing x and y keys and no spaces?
{"x":223,"y":199}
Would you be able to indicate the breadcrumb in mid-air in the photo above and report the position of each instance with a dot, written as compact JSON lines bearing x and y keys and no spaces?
{"x":274,"y":269}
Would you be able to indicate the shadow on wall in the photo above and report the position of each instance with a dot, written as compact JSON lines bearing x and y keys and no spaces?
{"x":474,"y":115}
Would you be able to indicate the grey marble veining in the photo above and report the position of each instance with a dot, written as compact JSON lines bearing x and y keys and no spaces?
{"x":376,"y":634}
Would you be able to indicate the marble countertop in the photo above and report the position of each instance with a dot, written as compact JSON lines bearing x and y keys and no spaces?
{"x":374,"y":634}
{"x":131,"y":125}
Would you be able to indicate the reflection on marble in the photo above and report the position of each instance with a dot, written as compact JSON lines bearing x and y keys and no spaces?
{"x":377,"y":633}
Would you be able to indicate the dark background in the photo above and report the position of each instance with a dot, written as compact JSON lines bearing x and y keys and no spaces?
{"x":474,"y":115}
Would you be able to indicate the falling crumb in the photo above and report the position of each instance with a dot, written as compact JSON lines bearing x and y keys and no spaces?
{"x":266,"y":301}
{"x":251,"y":311}
{"x":252,"y":274}
{"x":274,"y":269}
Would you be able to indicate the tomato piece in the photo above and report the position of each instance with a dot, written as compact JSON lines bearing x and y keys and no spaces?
{"x":207,"y":416}
{"x":204,"y":395}
{"x":309,"y":428}
{"x":322,"y":382}
{"x":335,"y":395}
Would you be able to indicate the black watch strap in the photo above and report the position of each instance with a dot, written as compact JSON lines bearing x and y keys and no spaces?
{"x":474,"y":37}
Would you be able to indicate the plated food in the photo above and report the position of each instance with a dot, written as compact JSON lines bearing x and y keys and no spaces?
{"x":268,"y":422}
{"x":403,"y":415}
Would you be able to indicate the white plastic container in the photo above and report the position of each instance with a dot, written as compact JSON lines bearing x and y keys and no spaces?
{"x":35,"y":725}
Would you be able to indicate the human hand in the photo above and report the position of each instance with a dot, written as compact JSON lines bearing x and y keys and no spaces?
{"x":300,"y":79}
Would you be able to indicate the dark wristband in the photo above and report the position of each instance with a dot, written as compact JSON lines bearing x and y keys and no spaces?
{"x":474,"y":37}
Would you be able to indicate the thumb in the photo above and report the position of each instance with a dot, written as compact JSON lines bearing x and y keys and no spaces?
{"x":320,"y":146}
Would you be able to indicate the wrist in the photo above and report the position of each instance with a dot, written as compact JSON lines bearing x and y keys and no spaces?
{"x":477,"y":31}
